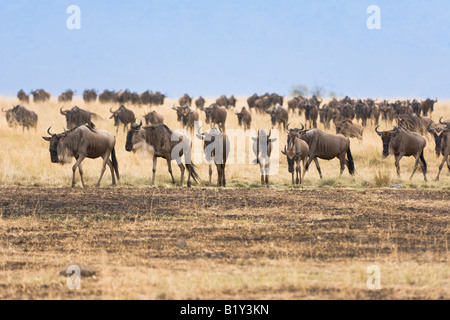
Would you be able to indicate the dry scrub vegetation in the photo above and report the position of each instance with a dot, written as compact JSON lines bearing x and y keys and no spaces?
{"x":241,"y":242}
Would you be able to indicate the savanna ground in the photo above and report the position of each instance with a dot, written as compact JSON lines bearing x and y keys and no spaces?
{"x":240,"y":242}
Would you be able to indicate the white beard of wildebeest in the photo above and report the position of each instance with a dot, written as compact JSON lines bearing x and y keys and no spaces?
{"x":65,"y":154}
{"x":139,"y":143}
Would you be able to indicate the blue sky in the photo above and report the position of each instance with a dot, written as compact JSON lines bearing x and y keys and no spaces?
{"x":210,"y":47}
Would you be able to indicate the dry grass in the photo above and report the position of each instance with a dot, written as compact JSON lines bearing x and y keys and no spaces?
{"x":26,"y":161}
{"x":242,"y":242}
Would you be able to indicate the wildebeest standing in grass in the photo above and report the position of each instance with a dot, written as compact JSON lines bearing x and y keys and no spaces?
{"x":444,"y":146}
{"x":21,"y":116}
{"x":327,"y":147}
{"x":296,"y":151}
{"x":76,"y":117}
{"x":349,"y":129}
{"x":279,"y":115}
{"x":185,"y":100}
{"x":122,"y":116}
{"x":216,"y":146}
{"x":244,"y":118}
{"x":216,"y":114}
{"x":262,"y":148}
{"x":188,"y":116}
{"x":154,"y":118}
{"x":84,"y":142}
{"x":200,"y":103}
{"x":404,"y":143}
{"x":162,"y":142}
{"x":89,"y":95}
{"x":40,"y":95}
{"x":23,"y":97}
{"x":231,"y":101}
{"x":66,"y":96}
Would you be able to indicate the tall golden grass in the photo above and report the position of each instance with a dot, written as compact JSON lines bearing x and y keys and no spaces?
{"x":25,"y":160}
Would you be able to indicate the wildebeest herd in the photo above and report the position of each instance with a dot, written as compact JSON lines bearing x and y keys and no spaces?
{"x":303,"y":146}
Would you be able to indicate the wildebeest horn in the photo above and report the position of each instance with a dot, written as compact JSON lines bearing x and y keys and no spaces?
{"x":270,"y":133}
{"x":303,"y":127}
{"x":110,"y":110}
{"x":429,"y":129}
{"x":4,"y":110}
{"x":62,"y":112}
{"x":48,"y":131}
{"x":378,"y":132}
{"x":287,"y":127}
{"x":285,"y":150}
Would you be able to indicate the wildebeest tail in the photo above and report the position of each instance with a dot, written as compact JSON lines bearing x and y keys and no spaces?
{"x":425,"y":166}
{"x":351,"y":163}
{"x":191,"y":167}
{"x":115,"y":164}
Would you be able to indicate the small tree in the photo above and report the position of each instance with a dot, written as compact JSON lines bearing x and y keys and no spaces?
{"x":299,"y":90}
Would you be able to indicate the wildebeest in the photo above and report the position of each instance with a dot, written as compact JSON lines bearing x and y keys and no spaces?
{"x":311,"y":114}
{"x":66,"y":96}
{"x":222,"y":101}
{"x":216,"y":146}
{"x":437,"y":131}
{"x":84,"y":142}
{"x":231,"y":101}
{"x":189,"y":117}
{"x":216,"y":114}
{"x":401,"y":143}
{"x":326,"y":146}
{"x":296,"y":151}
{"x":445,"y":146}
{"x":21,"y":116}
{"x":349,"y":129}
{"x":89,"y":95}
{"x":185,"y":100}
{"x":40,"y":95}
{"x":262,"y":147}
{"x":428,"y":106}
{"x":76,"y":117}
{"x":162,"y":142}
{"x":122,"y":116}
{"x":200,"y":103}
{"x":153,"y":118}
{"x":108,"y":96}
{"x":244,"y":118}
{"x":23,"y":97}
{"x":279,"y":115}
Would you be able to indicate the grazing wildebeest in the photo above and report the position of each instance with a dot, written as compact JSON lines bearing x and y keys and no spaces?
{"x":244,"y":118}
{"x":66,"y":96}
{"x":185,"y":100}
{"x":349,"y":129}
{"x":76,"y":117}
{"x":311,"y":114}
{"x":401,"y":143}
{"x":216,"y":114}
{"x":326,"y":146}
{"x":222,"y":101}
{"x":89,"y":95}
{"x":445,"y":146}
{"x":153,"y":118}
{"x":200,"y":103}
{"x":161,"y":142}
{"x":21,"y":116}
{"x":262,"y":147}
{"x":296,"y":151}
{"x":40,"y":95}
{"x":84,"y":142}
{"x":23,"y":97}
{"x":122,"y":116}
{"x":216,"y":146}
{"x":279,"y":115}
{"x":108,"y":96}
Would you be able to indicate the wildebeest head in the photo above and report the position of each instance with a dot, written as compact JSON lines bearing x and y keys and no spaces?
{"x":438,"y":132}
{"x":291,"y":155}
{"x":59,"y":153}
{"x":10,"y":118}
{"x":386,"y":137}
{"x":262,"y":145}
{"x":115,"y":115}
{"x":212,"y":140}
{"x":179,"y":113}
{"x":135,"y":138}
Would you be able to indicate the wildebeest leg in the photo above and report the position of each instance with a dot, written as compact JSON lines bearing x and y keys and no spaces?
{"x":80,"y":170}
{"x":261,"y":168}
{"x":293,"y":182}
{"x":224,"y":181}
{"x":155,"y":161}
{"x":111,"y":167}
{"x":182,"y":173}
{"x":105,"y":161}
{"x":442,"y":166}
{"x":316,"y":161}
{"x":304,"y":171}
{"x":210,"y":173}
{"x":342,"y":160}
{"x":397,"y":163}
{"x":75,"y":166}
{"x":298,"y":170}
{"x":169,"y":166}
{"x":416,"y":164}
